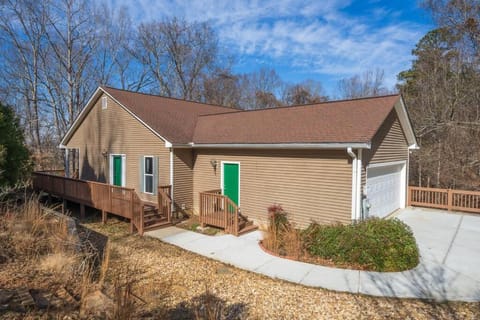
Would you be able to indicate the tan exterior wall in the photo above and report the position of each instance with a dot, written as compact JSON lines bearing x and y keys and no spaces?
{"x":309,"y":184}
{"x":183,"y":178}
{"x":388,"y":145}
{"x":115,"y":131}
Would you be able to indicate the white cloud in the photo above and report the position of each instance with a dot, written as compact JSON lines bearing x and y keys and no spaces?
{"x":311,"y":36}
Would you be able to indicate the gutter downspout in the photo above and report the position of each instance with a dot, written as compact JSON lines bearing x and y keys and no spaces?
{"x":359,"y":186}
{"x":354,"y":182}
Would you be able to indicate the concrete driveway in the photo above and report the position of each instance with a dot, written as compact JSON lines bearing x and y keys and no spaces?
{"x":449,"y":267}
{"x":451,"y":241}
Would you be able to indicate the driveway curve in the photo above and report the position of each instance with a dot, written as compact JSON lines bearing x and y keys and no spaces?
{"x":448,"y":269}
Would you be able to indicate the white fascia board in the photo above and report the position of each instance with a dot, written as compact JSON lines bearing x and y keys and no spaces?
{"x":79,"y":117}
{"x":167,"y":143}
{"x":283,"y":145}
{"x":405,"y":122}
{"x":89,"y":105}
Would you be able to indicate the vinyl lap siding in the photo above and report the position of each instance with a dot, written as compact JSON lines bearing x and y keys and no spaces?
{"x":389,"y":144}
{"x":309,"y":184}
{"x":183,"y":178}
{"x":115,"y":131}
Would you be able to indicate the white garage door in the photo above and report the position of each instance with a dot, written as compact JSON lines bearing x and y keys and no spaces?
{"x":385,"y":189}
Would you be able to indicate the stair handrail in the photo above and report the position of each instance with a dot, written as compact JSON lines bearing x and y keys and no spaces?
{"x":164,"y":198}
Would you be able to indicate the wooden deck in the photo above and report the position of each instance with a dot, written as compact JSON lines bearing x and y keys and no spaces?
{"x":220,"y":211}
{"x":448,"y":199}
{"x":119,"y":201}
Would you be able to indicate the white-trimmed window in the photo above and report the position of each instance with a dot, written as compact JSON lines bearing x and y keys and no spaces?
{"x":148,"y":171}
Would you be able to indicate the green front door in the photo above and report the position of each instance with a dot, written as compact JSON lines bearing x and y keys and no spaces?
{"x":117,"y":170}
{"x":231,"y":181}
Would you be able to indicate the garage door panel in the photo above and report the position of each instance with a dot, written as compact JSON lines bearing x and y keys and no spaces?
{"x":384,"y":189}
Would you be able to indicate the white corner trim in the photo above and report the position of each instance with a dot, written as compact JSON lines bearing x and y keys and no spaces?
{"x":171,"y":177}
{"x":354,"y":182}
{"x":358,"y":213}
{"x":239,"y":175}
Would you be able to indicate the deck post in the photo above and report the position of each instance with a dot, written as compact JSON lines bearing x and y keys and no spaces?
{"x":409,"y":196}
{"x":131,"y":226}
{"x":82,"y":211}
{"x":64,"y":206}
{"x":450,"y":199}
{"x":104,"y":216}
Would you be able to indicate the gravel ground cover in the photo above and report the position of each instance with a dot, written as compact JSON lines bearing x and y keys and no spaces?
{"x":172,"y":283}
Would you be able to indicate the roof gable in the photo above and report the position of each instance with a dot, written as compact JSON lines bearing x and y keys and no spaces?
{"x":172,"y":120}
{"x":348,"y":121}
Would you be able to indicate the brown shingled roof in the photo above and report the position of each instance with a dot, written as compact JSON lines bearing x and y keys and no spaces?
{"x":173,"y":119}
{"x":345,"y":121}
{"x":181,"y":122}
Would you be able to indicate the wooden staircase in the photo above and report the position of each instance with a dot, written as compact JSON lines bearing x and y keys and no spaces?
{"x":153,"y":219}
{"x":220,"y":211}
{"x":245,"y":225}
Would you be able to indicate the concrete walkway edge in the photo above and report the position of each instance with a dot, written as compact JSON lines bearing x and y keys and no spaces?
{"x":431,"y":279}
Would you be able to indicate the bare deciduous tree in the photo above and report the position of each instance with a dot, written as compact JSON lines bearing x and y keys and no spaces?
{"x":441,"y":93}
{"x":260,"y":89}
{"x":178,"y":55}
{"x":306,"y":92}
{"x":370,"y":83}
{"x":22,"y":27}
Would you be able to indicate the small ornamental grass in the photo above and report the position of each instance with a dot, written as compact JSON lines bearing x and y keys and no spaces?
{"x":374,"y":244}
{"x":281,"y":237}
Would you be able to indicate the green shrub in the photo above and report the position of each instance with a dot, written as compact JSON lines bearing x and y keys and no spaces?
{"x":14,"y":156}
{"x":373,"y":244}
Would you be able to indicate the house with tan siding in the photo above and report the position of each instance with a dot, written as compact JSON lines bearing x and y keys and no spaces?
{"x":322,"y":162}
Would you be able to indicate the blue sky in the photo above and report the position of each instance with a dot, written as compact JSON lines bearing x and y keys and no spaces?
{"x":320,"y":40}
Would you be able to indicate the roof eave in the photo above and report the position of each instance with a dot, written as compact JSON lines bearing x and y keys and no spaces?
{"x":327,"y":145}
{"x":406,"y":123}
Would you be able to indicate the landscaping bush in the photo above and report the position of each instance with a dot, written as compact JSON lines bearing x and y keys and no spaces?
{"x":281,"y":236}
{"x":373,"y":244}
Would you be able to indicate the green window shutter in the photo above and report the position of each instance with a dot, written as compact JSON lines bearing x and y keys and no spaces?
{"x":155,"y":175}
{"x":141,"y":174}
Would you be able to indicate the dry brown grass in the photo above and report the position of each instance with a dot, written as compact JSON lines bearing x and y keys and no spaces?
{"x":292,"y":243}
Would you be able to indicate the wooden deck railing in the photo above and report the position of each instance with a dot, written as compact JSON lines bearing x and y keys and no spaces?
{"x":449,"y":199}
{"x":165,"y":201}
{"x":119,"y":201}
{"x":219,"y":211}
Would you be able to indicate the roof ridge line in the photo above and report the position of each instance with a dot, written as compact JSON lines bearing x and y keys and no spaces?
{"x":169,"y":98}
{"x":302,"y":105}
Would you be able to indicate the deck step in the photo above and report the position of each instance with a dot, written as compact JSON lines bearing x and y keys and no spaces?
{"x":153,"y":215}
{"x":157,"y":225}
{"x":247,"y":228}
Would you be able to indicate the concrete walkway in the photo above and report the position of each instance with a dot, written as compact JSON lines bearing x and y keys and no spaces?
{"x":449,"y":266}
